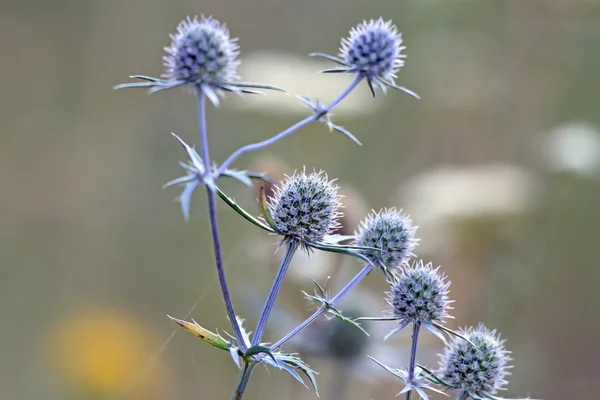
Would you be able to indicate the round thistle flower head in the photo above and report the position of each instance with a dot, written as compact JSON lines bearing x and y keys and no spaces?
{"x":374,"y":48}
{"x":391,"y":232}
{"x":305,"y":207}
{"x":477,"y":371}
{"x":419,"y":294}
{"x":201,"y":53}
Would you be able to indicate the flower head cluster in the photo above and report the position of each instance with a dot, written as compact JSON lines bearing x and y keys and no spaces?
{"x":201,"y":53}
{"x":202,"y":57}
{"x":477,"y":371}
{"x":420,"y":294}
{"x":306,"y":207}
{"x":374,"y":50}
{"x":390,"y":232}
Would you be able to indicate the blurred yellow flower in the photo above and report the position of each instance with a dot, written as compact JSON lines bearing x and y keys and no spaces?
{"x":100,"y":352}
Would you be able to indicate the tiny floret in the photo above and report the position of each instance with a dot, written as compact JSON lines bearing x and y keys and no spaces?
{"x":306,"y":207}
{"x":419,"y":294}
{"x":392,"y":233}
{"x":201,"y":53}
{"x":478,"y":371}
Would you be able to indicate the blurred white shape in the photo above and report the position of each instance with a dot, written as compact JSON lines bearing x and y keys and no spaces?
{"x":573,"y":147}
{"x":305,"y":267}
{"x":299,"y":76}
{"x":437,"y":198}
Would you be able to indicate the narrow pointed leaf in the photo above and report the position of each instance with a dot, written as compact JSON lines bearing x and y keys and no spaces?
{"x":402,"y":88}
{"x":371,"y":87}
{"x":451,"y":332}
{"x":397,"y":329}
{"x":194,"y":157}
{"x":185,"y":199}
{"x":435,"y":331}
{"x":328,"y":57}
{"x":204,"y":334}
{"x":339,"y":249}
{"x":432,"y":377}
{"x":346,"y":133}
{"x":259,"y":86}
{"x":242,"y":212}
{"x":335,"y":71}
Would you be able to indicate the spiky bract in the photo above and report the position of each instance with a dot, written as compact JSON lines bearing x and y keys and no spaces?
{"x":392,"y":233}
{"x":478,"y":371}
{"x":306,"y":207}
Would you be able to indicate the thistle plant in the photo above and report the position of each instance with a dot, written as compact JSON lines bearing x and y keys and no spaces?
{"x":304,"y":212}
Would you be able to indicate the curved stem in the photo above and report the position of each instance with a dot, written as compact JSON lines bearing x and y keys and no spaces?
{"x":268,"y":142}
{"x":243,"y":380}
{"x":413,"y":356}
{"x":214,"y":227}
{"x":283,"y":267}
{"x":359,"y":277}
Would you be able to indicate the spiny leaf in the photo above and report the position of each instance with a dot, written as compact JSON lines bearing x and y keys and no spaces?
{"x":451,"y":332}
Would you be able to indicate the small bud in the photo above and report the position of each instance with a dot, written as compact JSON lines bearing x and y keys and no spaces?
{"x":305,"y":207}
{"x":391,"y":232}
{"x":420,"y":294}
{"x":477,"y":371}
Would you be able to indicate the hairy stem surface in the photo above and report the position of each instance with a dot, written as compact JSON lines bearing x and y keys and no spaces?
{"x":308,"y":120}
{"x":214,"y":227}
{"x":359,"y":277}
{"x":413,"y":356}
{"x":283,"y":267}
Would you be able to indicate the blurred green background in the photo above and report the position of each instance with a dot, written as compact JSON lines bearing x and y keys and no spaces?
{"x":499,"y":163}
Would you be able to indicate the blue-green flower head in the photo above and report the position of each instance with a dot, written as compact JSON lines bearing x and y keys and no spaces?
{"x":201,"y":53}
{"x":392,"y":233}
{"x":419,"y":294}
{"x":478,"y":371}
{"x":305,"y":207}
{"x":375,"y":49}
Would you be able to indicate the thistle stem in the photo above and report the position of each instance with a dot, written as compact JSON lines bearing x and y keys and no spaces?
{"x":290,"y":250}
{"x":357,"y":278}
{"x":243,"y":380}
{"x":214,"y":227}
{"x":413,"y":356}
{"x":308,"y":120}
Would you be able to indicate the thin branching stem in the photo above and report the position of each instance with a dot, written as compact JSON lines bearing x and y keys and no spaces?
{"x":242,"y":384}
{"x":290,"y":250}
{"x":359,"y":277}
{"x":306,"y":121}
{"x":413,"y":356}
{"x":214,"y":227}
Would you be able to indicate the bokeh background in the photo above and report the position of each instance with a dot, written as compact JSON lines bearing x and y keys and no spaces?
{"x":499,"y":164}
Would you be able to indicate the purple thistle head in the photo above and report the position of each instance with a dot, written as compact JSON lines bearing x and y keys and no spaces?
{"x":201,"y":53}
{"x":419,"y":294}
{"x":375,"y":49}
{"x":306,"y":207}
{"x":477,"y":371}
{"x":392,"y":233}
